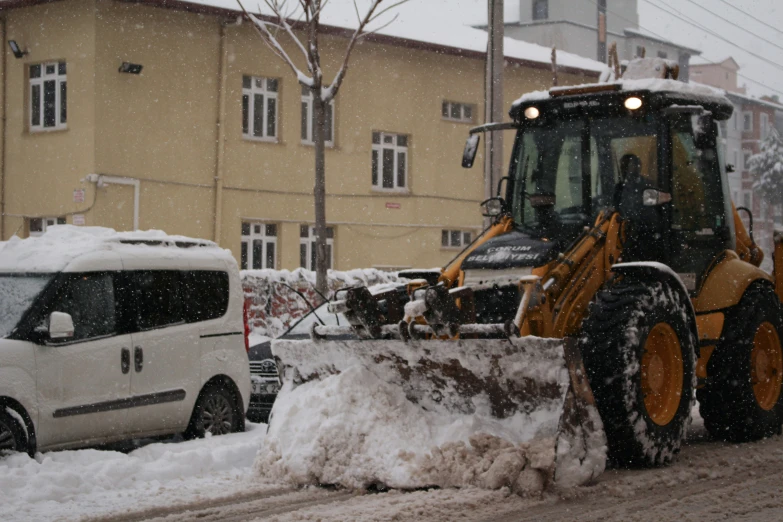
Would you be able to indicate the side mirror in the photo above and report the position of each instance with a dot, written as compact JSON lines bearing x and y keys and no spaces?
{"x":60,"y":326}
{"x":705,"y":132}
{"x":654,"y":197}
{"x":471,"y":147}
{"x":493,"y":207}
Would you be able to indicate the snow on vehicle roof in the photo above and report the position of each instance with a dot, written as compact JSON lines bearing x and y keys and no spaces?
{"x":646,"y":84}
{"x":440,"y":22}
{"x":61,"y":244}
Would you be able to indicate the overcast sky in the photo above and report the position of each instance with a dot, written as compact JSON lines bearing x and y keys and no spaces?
{"x":742,"y":31}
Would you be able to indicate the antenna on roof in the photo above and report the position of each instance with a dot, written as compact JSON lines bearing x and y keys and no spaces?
{"x":554,"y":66}
{"x":614,"y":61}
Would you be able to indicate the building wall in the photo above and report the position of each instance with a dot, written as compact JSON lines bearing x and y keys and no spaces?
{"x":717,"y":75}
{"x":160,"y":130}
{"x":43,"y":168}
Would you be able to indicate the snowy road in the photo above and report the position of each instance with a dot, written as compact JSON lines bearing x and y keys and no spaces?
{"x":212,"y":480}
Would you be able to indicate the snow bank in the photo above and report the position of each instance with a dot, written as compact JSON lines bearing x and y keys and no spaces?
{"x":97,"y":483}
{"x":61,"y":244}
{"x":391,"y":414}
{"x":273,"y":306}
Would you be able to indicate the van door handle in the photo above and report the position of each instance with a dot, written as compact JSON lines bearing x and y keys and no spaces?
{"x":125,"y":360}
{"x":138,"y":358}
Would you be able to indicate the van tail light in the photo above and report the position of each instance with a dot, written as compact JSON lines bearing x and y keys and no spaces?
{"x":247,"y":327}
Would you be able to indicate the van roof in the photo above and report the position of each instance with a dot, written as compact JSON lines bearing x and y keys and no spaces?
{"x":60,"y":245}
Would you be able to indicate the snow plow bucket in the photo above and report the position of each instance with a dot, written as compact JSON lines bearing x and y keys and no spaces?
{"x":491,"y":413}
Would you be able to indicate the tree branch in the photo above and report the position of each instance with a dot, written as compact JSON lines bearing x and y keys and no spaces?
{"x":274,"y":45}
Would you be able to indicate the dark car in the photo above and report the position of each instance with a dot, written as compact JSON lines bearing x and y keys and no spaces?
{"x":263,"y":370}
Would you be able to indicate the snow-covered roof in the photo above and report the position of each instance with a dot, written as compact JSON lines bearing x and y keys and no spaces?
{"x":61,"y":244}
{"x":436,"y":24}
{"x":650,"y":36}
{"x":647,"y":84}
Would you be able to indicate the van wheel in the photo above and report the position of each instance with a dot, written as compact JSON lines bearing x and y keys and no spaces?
{"x":216,"y":413}
{"x":12,"y":437}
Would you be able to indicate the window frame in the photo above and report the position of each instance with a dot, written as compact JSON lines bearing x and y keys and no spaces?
{"x":534,"y":15}
{"x":258,"y":232}
{"x":746,"y":155}
{"x":447,"y":239}
{"x":308,"y":242}
{"x":749,"y":127}
{"x":307,"y":112}
{"x":60,"y":109}
{"x":449,"y":105}
{"x":45,"y":223}
{"x":397,"y":150}
{"x":763,"y":125}
{"x":247,"y":117}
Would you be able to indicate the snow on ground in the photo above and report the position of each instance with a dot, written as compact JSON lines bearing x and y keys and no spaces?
{"x":71,"y":485}
{"x":380,"y":414}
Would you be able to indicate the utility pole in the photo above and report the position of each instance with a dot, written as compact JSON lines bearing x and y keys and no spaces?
{"x":493,"y":98}
{"x":601,"y":25}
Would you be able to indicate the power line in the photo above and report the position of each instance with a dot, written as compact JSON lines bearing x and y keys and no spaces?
{"x":696,"y":24}
{"x":716,"y":15}
{"x":759,"y":20}
{"x":710,"y":62}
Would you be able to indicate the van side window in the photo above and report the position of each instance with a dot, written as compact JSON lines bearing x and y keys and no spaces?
{"x":89,"y":299}
{"x":158,"y":298}
{"x":205,"y":294}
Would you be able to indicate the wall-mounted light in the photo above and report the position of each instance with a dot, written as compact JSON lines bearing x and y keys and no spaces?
{"x":130,"y":68}
{"x":18,"y":52}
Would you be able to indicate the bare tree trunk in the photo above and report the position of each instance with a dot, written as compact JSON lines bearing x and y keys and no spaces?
{"x":319,"y":112}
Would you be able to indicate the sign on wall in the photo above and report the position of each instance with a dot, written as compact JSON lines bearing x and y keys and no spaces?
{"x":78,"y":219}
{"x":78,"y":196}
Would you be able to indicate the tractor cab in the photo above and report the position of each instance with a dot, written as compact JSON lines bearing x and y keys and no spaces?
{"x":648,"y":149}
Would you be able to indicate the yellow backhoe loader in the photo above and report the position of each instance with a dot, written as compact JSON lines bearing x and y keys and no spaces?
{"x":616,"y":241}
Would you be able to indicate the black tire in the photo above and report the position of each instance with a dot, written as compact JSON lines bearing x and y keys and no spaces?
{"x":727,"y":402}
{"x":12,"y":436}
{"x":217,"y":411}
{"x":613,"y":342}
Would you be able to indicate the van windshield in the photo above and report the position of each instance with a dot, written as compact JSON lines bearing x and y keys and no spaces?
{"x":17,"y":294}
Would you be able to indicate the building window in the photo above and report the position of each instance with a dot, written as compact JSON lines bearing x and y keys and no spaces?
{"x":764,"y":125}
{"x":746,"y":154}
{"x":747,"y":200}
{"x":307,"y":247}
{"x":259,"y":107}
{"x":259,"y":245}
{"x":454,"y":111}
{"x":389,"y":161}
{"x":747,"y":121}
{"x":39,"y":225}
{"x":662,"y":54}
{"x":48,"y":96}
{"x":308,"y":119}
{"x":639,"y":51}
{"x":455,"y":238}
{"x":540,"y":9}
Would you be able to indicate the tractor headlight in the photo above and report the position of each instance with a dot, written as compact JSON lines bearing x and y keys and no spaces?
{"x":633,"y":103}
{"x":531,"y":113}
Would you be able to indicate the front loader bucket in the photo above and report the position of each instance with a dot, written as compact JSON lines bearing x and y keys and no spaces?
{"x":486,"y":412}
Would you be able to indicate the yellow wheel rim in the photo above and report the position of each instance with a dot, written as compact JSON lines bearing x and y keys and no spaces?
{"x":766,"y":366}
{"x":662,"y":374}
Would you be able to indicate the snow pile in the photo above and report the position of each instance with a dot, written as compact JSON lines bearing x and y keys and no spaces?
{"x":99,"y":483}
{"x":61,"y":244}
{"x":391,"y":414}
{"x":273,"y":305}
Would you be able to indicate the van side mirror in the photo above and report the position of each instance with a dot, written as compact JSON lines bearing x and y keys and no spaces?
{"x":471,"y":148}
{"x":60,"y":326}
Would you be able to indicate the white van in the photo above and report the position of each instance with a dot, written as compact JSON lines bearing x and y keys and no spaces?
{"x":107,"y":336}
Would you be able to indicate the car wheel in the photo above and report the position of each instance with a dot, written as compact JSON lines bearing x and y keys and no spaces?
{"x":216,"y":412}
{"x":12,"y":436}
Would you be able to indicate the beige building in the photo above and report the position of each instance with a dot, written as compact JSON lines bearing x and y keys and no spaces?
{"x":722,"y":74}
{"x":210,"y":139}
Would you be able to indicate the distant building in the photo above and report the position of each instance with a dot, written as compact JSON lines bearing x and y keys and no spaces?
{"x":588,"y":28}
{"x":742,"y":136}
